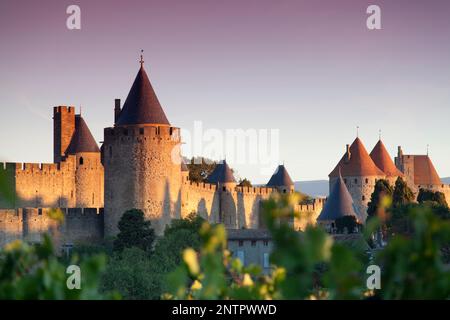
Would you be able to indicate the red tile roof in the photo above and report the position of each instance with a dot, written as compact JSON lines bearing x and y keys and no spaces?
{"x":424,"y":171}
{"x":358,"y":163}
{"x":382,"y":160}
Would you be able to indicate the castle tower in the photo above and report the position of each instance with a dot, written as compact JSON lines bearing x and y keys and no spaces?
{"x":63,"y":129}
{"x":281,"y":180}
{"x":223,"y":177}
{"x":142,"y":160}
{"x":359,"y":173}
{"x":383,"y":161}
{"x":419,"y":172}
{"x":89,"y":170}
{"x":339,"y":204}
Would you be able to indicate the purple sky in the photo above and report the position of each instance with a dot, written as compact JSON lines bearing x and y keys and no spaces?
{"x":309,"y":68}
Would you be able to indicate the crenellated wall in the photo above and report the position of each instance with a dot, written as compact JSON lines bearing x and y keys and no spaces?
{"x":29,"y":224}
{"x":40,"y":185}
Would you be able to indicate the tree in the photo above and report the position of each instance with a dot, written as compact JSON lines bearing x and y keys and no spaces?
{"x":34,"y":272}
{"x":134,"y":231}
{"x":382,"y":190}
{"x":200,"y":169}
{"x":402,"y":193}
{"x":129,"y":272}
{"x":138,"y":274}
{"x":245,"y":183}
{"x":348,"y":223}
{"x":430,"y":196}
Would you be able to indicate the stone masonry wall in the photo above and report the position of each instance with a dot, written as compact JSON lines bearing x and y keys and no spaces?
{"x":29,"y":224}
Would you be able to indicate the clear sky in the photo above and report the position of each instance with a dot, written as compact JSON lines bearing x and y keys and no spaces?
{"x":309,"y":68}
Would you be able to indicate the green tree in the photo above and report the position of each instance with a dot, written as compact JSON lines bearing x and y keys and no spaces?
{"x":200,"y":169}
{"x":134,"y":231}
{"x":138,"y":274}
{"x":130,"y":273}
{"x":245,"y":183}
{"x":402,"y":193}
{"x":437,"y":197}
{"x":34,"y":272}
{"x":347,"y":223}
{"x":382,"y":190}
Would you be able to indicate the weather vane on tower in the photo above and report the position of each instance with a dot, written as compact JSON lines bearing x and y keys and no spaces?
{"x":142,"y":58}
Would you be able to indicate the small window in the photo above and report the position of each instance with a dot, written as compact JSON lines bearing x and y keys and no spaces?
{"x":345,"y":181}
{"x":81,"y":161}
{"x":266,"y":243}
{"x":363,"y":198}
{"x":284,"y":190}
{"x":241,"y":243}
{"x":125,"y":132}
{"x":224,"y":189}
{"x":367,"y":180}
{"x":356,"y":180}
{"x":253,"y":243}
{"x":141,"y":130}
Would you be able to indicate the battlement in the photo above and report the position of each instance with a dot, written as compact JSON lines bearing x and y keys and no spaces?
{"x":201,"y":185}
{"x":128,"y":133}
{"x":46,"y":168}
{"x":255,"y":190}
{"x":317,"y":204}
{"x":68,"y":109}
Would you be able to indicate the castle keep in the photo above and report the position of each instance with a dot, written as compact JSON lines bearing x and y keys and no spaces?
{"x":138,"y":166}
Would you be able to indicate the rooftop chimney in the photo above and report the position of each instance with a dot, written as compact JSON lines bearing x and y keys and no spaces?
{"x":116,"y":110}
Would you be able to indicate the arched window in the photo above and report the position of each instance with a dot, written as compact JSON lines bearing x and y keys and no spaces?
{"x":81,"y":161}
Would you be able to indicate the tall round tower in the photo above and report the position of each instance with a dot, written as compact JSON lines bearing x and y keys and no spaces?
{"x":142,"y":160}
{"x":360,"y":175}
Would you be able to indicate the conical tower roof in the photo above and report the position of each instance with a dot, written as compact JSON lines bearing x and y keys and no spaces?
{"x":356,"y":162}
{"x":382,"y":160}
{"x":221,"y":174}
{"x":425,"y":172}
{"x":339,"y":204}
{"x":82,"y":139}
{"x":280,"y":178}
{"x":142,"y":106}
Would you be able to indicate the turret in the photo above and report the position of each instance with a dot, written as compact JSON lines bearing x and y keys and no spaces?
{"x":89,"y":170}
{"x":142,"y":160}
{"x":281,"y":180}
{"x":223,"y":177}
{"x":359,"y":174}
{"x":382,"y":160}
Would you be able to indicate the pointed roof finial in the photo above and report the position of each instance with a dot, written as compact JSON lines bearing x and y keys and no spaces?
{"x":428,"y":149}
{"x":81,"y":109}
{"x":379,"y":134}
{"x":142,"y":58}
{"x":357,"y":131}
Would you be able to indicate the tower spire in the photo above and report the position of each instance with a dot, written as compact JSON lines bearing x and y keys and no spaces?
{"x":379,"y":134}
{"x":428,"y":149}
{"x":142,"y":58}
{"x":357,"y":131}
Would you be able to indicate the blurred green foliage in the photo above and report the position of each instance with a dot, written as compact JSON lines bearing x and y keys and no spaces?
{"x":34,"y":272}
{"x":311,"y":265}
